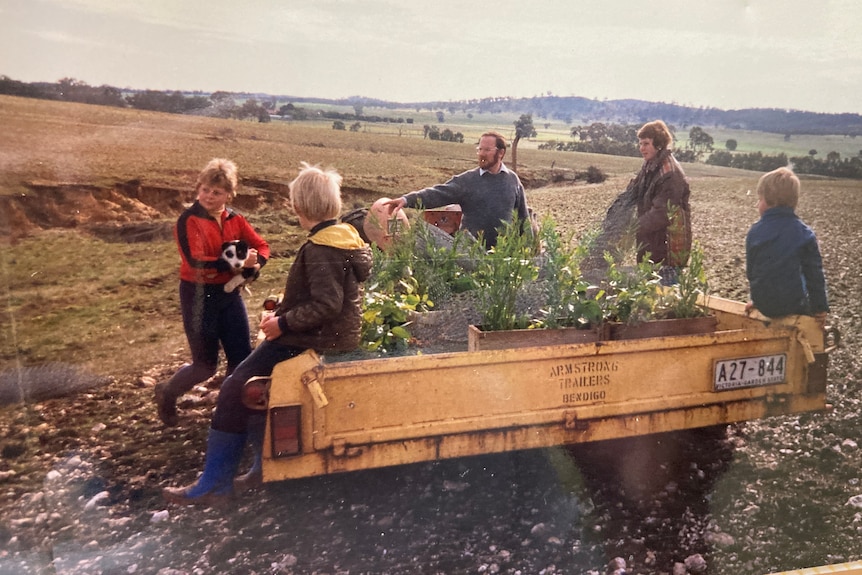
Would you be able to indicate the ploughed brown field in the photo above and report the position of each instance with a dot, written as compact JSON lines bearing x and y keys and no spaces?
{"x":88,"y":196}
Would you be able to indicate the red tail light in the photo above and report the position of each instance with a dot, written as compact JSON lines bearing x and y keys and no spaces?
{"x":255,"y":393}
{"x":285,"y":425}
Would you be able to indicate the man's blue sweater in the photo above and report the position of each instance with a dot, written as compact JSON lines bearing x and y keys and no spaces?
{"x":487,"y":200}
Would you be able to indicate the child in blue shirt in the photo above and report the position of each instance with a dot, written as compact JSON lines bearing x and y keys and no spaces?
{"x":783,"y":263}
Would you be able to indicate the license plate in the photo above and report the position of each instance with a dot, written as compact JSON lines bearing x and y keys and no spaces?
{"x":750,"y":371}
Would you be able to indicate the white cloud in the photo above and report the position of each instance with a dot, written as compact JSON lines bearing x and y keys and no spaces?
{"x":53,"y":36}
{"x":733,"y":53}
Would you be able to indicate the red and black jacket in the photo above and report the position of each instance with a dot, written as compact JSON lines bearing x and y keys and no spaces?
{"x":199,"y":239}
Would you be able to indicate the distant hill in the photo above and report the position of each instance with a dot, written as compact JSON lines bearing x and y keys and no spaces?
{"x":570,"y":109}
{"x":578,"y":110}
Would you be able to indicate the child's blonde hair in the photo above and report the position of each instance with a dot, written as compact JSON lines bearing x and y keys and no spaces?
{"x":219,"y":173}
{"x":316,"y":193}
{"x":779,"y":188}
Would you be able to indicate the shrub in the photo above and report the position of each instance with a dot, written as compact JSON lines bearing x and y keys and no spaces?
{"x":688,"y":156}
{"x":385,"y":316}
{"x":720,"y":158}
{"x":595,"y":175}
{"x":630,"y":295}
{"x":512,"y":288}
{"x":439,"y":270}
{"x":408,"y":278}
{"x":501,"y":274}
{"x":565,"y":290}
{"x":683,"y":299}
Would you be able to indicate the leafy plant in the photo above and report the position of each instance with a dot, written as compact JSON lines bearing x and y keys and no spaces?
{"x":408,"y":277}
{"x":501,"y":274}
{"x":564,"y":289}
{"x":438,"y":270}
{"x":630,"y":294}
{"x":682,"y":300}
{"x":386,"y":315}
{"x":441,"y":269}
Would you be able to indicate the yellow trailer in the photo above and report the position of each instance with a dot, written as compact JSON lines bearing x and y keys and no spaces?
{"x":852,"y":568}
{"x":331,"y":417}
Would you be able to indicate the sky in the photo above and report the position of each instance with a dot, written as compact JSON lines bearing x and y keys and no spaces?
{"x":728,"y":54}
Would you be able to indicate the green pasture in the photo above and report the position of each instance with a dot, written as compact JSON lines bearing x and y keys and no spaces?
{"x":774,"y":144}
{"x":474,"y":124}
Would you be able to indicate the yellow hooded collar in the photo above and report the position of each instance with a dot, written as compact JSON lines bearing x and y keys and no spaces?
{"x":342,"y":236}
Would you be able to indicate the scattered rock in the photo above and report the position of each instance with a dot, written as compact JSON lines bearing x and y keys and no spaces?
{"x":719,"y":539}
{"x":7,"y":474}
{"x":695,"y":564}
{"x":96,"y":500}
{"x":617,"y":566}
{"x":147,"y":381}
{"x":455,"y":486}
{"x":160,"y":516}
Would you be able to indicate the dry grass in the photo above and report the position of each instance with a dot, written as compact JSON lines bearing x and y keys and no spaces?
{"x":58,"y":142}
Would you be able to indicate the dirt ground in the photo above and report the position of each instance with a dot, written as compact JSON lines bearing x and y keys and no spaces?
{"x":80,"y":475}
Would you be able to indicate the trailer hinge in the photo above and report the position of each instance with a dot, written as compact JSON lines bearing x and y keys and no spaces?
{"x":572,"y":422}
{"x":806,"y":346}
{"x":831,"y":339}
{"x":311,"y":380}
{"x":341,"y":449}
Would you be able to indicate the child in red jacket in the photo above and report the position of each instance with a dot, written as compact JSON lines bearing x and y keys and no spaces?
{"x":212,"y":318}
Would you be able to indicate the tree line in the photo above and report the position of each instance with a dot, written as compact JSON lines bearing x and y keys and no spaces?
{"x":345,"y":116}
{"x":218,"y":104}
{"x":832,"y":165}
{"x":621,"y":140}
{"x":569,"y":109}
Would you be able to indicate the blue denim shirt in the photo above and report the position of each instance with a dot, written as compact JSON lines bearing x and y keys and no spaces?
{"x":783,"y":265}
